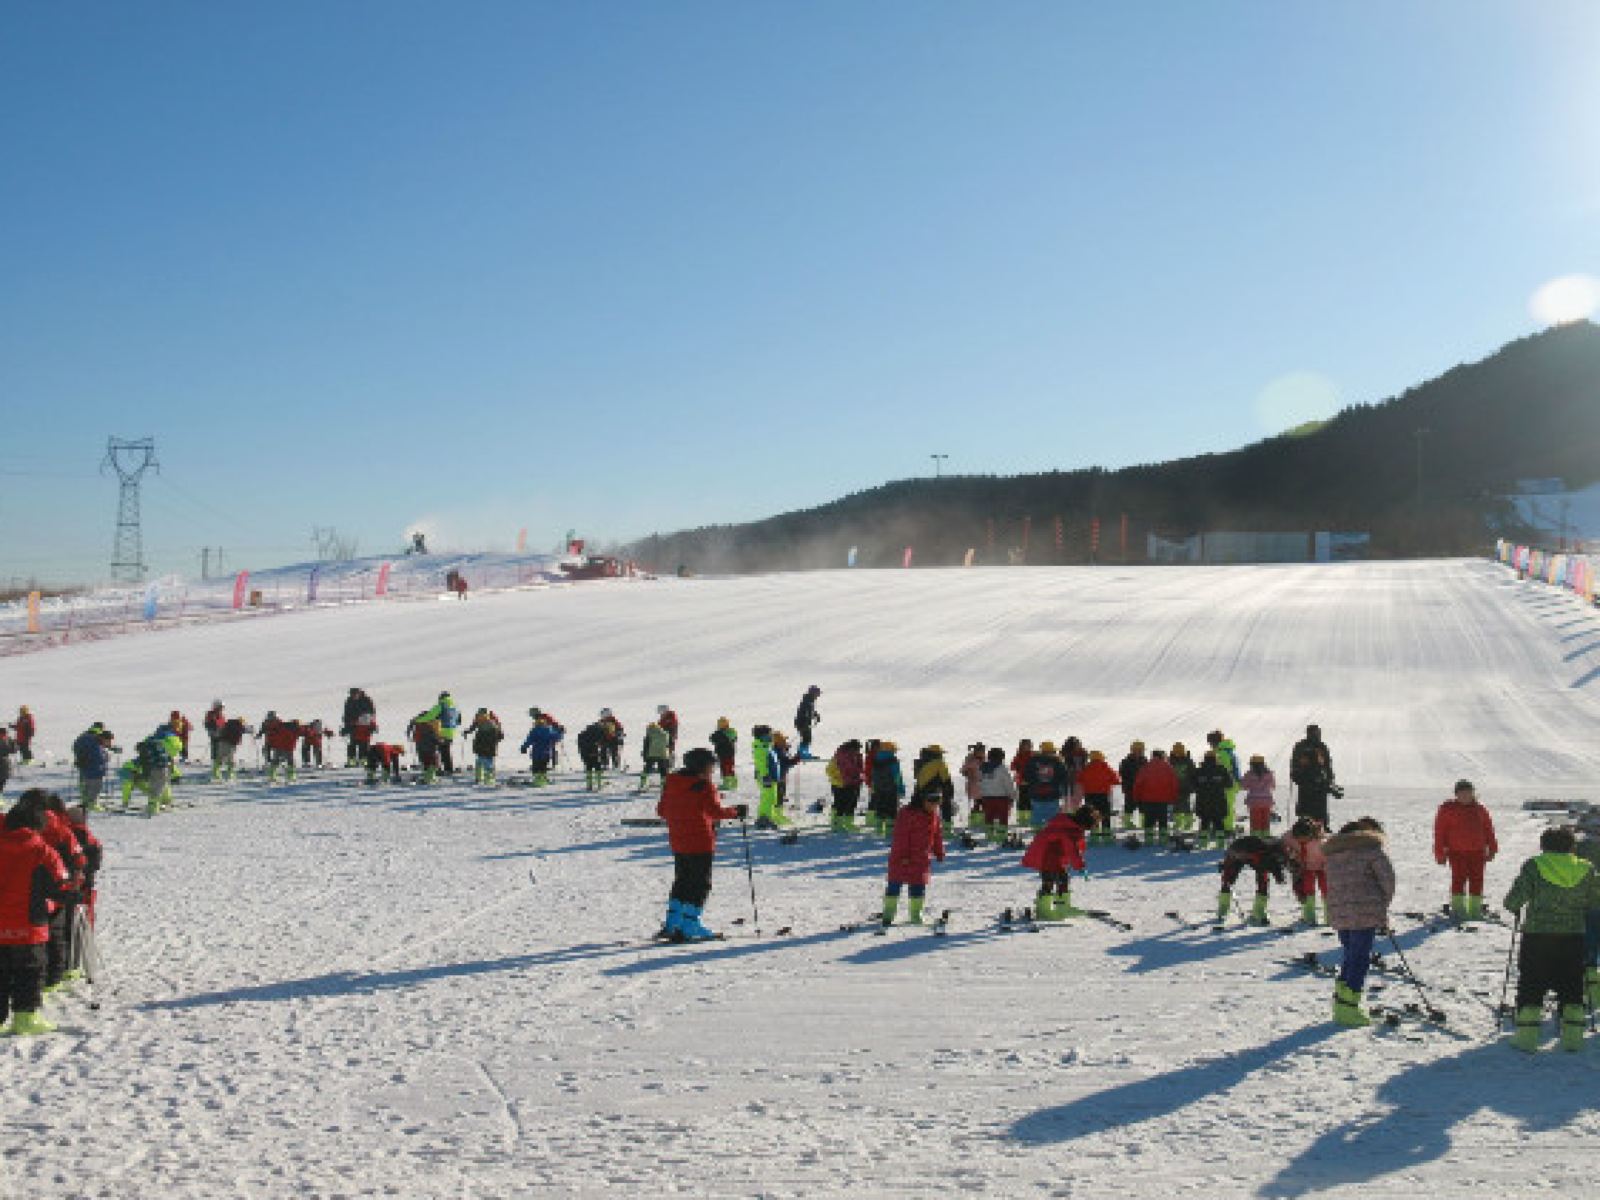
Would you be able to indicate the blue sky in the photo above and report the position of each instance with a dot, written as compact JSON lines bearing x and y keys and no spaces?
{"x":636,"y":266}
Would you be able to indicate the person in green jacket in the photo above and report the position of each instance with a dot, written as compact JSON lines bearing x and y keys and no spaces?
{"x":1228,"y":756}
{"x":1558,"y":890}
{"x":657,"y":754}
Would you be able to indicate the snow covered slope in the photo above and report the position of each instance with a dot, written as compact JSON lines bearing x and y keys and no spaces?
{"x":328,"y":990}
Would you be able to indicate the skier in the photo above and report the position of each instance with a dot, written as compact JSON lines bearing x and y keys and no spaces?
{"x":1045,"y":784}
{"x":806,"y":717}
{"x":997,"y":792}
{"x":931,"y":776}
{"x":918,"y":840}
{"x":1211,"y":783}
{"x":1075,"y":758}
{"x":7,"y":749}
{"x":1155,"y":791}
{"x":280,"y":737}
{"x":426,"y":735}
{"x":447,"y":717}
{"x":1262,"y":855}
{"x":1463,"y":837}
{"x":613,"y":741}
{"x":1360,"y":890}
{"x":1097,"y":781}
{"x":1260,"y":786}
{"x":592,"y":748}
{"x":230,"y":736}
{"x":1055,"y":853}
{"x":387,"y":758}
{"x":657,"y":753}
{"x":486,"y":736}
{"x":357,"y":705}
{"x":1309,"y":866}
{"x":786,"y":764}
{"x":92,"y":854}
{"x":846,"y":773}
{"x":182,"y":727}
{"x":540,"y":746}
{"x":691,"y":808}
{"x":151,"y":769}
{"x":768,"y":770}
{"x":887,"y":786}
{"x":1019,"y":772}
{"x":725,"y":742}
{"x":1228,"y":756}
{"x":213,"y":724}
{"x":1311,"y":771}
{"x":58,"y":835}
{"x":91,"y":754}
{"x":25,"y":729}
{"x":1128,"y":771}
{"x":31,"y":876}
{"x":1183,"y":764}
{"x":1558,"y":889}
{"x":311,"y":743}
{"x":668,"y":720}
{"x":971,"y":767}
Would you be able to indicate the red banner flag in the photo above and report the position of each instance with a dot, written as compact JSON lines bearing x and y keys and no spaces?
{"x":383,"y":579}
{"x":33,"y":612}
{"x":240,"y":582}
{"x":908,"y":556}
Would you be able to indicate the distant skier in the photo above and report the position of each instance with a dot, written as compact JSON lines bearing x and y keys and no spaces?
{"x":387,"y":758}
{"x":1228,"y":756}
{"x":1019,"y":772}
{"x":1260,"y":794}
{"x":1463,"y":837}
{"x":668,"y":720}
{"x":1055,"y":852}
{"x":931,"y":776}
{"x":280,"y":737}
{"x":615,"y":737}
{"x":1183,"y":765}
{"x":1044,"y":784}
{"x":25,"y":729}
{"x":997,"y":793}
{"x":1128,"y":771}
{"x":691,"y":808}
{"x":447,"y":717}
{"x":1311,"y":772}
{"x":725,"y":742}
{"x":656,"y":753}
{"x":230,"y":737}
{"x":787,"y":761}
{"x":182,"y":727}
{"x":1558,"y":889}
{"x":311,"y":737}
{"x":768,"y":773}
{"x":886,"y":787}
{"x":806,"y":718}
{"x":91,"y":755}
{"x":1360,"y":890}
{"x":918,"y":842}
{"x":358,"y":707}
{"x":1098,"y":780}
{"x":486,"y":736}
{"x":971,"y":767}
{"x":1211,"y":783}
{"x":7,"y":749}
{"x":592,"y":749}
{"x":847,"y":771}
{"x":1156,"y":790}
{"x":428,"y":738}
{"x":1309,"y":866}
{"x":212,"y":721}
{"x":540,"y":746}
{"x":1262,"y":855}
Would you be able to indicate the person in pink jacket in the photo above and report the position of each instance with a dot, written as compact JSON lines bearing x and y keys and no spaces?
{"x":918,"y":840}
{"x":971,"y":766}
{"x":1260,"y":801}
{"x":1303,"y":845}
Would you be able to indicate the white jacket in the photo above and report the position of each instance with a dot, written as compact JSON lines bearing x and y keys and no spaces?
{"x":997,"y":783}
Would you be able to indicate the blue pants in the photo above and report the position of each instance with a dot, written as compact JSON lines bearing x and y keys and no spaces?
{"x":917,"y":890}
{"x":1357,"y":945}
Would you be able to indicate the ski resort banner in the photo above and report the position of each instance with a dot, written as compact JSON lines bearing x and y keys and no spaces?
{"x":907,"y":561}
{"x":152,"y":600}
{"x":240,"y":583}
{"x":1574,"y":572}
{"x":383,"y":580}
{"x":33,"y":612}
{"x":850,"y":559}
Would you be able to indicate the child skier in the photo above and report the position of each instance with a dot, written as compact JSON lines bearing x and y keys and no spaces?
{"x":725,"y":742}
{"x":1259,"y":788}
{"x":1360,"y":890}
{"x":426,"y":735}
{"x":25,"y":729}
{"x":1019,"y":772}
{"x":971,"y":768}
{"x":918,"y":840}
{"x":540,"y":747}
{"x":847,"y":771}
{"x":657,"y":752}
{"x":691,"y":808}
{"x":806,"y":718}
{"x":887,"y":788}
{"x":1045,"y":779}
{"x":280,"y":737}
{"x":668,"y":720}
{"x":997,"y":792}
{"x":215,"y":716}
{"x":1055,"y":853}
{"x":7,"y":749}
{"x":1228,"y":755}
{"x":787,"y":761}
{"x":1263,"y":856}
{"x":1097,"y":780}
{"x":1309,"y":866}
{"x":1128,"y":771}
{"x":311,"y":744}
{"x":1183,"y":765}
{"x":182,"y":727}
{"x":1155,"y":791}
{"x":91,"y":754}
{"x":931,"y":776}
{"x":1463,"y":836}
{"x":31,"y":875}
{"x":230,"y":736}
{"x":1558,"y":889}
{"x":486,"y":736}
{"x":769,"y":773}
{"x":1211,"y":783}
{"x":592,"y":749}
{"x":387,"y":758}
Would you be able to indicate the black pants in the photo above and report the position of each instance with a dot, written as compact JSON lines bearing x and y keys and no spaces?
{"x":21,"y":977}
{"x":309,"y":751}
{"x":654,"y":766}
{"x":352,"y":751}
{"x":1312,"y":802}
{"x":445,"y":758}
{"x":611,"y":755}
{"x":1213,"y":814}
{"x":1059,"y":882}
{"x":845,"y":800}
{"x":804,"y":730}
{"x":1232,"y":871}
{"x":1550,"y":962}
{"x":691,"y":878}
{"x":58,"y":950}
{"x":1157,"y":816}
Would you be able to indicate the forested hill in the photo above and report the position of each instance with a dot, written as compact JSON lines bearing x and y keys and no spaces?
{"x":1532,"y":410}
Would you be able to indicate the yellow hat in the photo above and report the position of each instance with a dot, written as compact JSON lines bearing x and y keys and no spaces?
{"x":1097,"y":756}
{"x":934,"y":749}
{"x":889,"y":746}
{"x":1136,"y":747}
{"x":1178,"y":748}
{"x":1047,"y":747}
{"x":722,"y":722}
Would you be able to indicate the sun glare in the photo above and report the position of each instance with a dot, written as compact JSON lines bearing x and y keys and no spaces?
{"x":1566,"y":299}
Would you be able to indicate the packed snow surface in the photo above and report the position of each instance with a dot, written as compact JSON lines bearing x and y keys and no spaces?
{"x":326,"y":989}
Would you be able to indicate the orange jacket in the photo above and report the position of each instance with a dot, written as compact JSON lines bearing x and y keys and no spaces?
{"x":1099,"y":778}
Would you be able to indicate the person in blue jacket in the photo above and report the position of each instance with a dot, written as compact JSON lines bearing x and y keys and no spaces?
{"x":540,"y":746}
{"x":91,"y":753}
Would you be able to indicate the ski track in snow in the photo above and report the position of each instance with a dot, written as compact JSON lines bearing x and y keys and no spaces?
{"x":329,"y":990}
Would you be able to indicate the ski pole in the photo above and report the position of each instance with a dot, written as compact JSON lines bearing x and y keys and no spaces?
{"x":1435,"y":1014}
{"x":1511,"y":951}
{"x":750,"y":872}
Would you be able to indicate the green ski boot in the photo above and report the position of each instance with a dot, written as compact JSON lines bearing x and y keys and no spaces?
{"x":1347,"y":1010}
{"x":29,"y":1024}
{"x":914,"y":911}
{"x":1224,"y":905}
{"x":1573,"y":1021}
{"x":1258,"y":911}
{"x":891,"y":904}
{"x":1529,"y":1022}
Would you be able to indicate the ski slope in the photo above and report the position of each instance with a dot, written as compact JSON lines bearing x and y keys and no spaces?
{"x":330,"y":990}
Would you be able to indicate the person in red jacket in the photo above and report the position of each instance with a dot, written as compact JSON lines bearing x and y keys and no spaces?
{"x":691,"y":808}
{"x":1019,"y":770}
{"x":280,"y":736}
{"x":311,"y":744}
{"x":385,"y":757}
{"x":59,"y":835}
{"x":1055,"y":853}
{"x":1463,"y":836}
{"x":1155,"y":790}
{"x":25,"y":729}
{"x":918,"y":840}
{"x":31,"y":876}
{"x":1098,"y":779}
{"x":182,"y":727}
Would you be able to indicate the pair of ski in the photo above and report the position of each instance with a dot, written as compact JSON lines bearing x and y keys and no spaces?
{"x":874,"y":924}
{"x":1389,"y":1014}
{"x":662,"y":938}
{"x":1025,"y":918}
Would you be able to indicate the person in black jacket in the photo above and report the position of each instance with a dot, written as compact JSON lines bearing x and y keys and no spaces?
{"x":486,"y":736}
{"x":356,"y":705}
{"x":1311,"y":771}
{"x":1267,"y":857}
{"x":1211,"y":783}
{"x":806,"y":718}
{"x":591,"y":748}
{"x":1129,"y":769}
